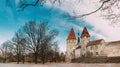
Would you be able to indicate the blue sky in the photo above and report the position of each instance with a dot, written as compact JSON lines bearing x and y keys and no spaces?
{"x":11,"y":20}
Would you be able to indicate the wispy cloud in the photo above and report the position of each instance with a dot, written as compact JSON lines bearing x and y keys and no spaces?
{"x":97,"y":26}
{"x":101,"y":27}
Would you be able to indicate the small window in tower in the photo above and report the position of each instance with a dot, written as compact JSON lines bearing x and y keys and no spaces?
{"x":96,"y":53}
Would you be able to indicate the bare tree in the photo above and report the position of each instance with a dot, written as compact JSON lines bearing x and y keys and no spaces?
{"x":6,"y":49}
{"x":39,"y":39}
{"x":56,"y":56}
{"x":62,"y":57}
{"x":19,"y":46}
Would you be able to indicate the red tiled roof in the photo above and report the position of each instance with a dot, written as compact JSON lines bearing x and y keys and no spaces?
{"x":95,"y":42}
{"x":71,"y":35}
{"x":85,"y":33}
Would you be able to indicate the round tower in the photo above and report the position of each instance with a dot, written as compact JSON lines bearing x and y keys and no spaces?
{"x":71,"y":43}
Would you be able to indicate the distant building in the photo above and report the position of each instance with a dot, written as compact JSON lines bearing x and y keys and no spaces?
{"x":83,"y":47}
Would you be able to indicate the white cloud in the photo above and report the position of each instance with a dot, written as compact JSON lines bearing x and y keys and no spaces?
{"x":101,"y":27}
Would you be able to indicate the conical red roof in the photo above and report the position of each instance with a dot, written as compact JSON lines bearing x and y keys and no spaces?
{"x":71,"y":35}
{"x":85,"y":33}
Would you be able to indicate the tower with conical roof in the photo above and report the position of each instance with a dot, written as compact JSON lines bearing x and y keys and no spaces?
{"x":71,"y":43}
{"x":85,"y":33}
{"x":85,"y":38}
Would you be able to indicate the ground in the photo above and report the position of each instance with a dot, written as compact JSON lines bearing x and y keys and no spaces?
{"x":62,"y":65}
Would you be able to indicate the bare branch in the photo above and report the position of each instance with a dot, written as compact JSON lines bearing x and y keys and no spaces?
{"x":23,"y":4}
{"x":79,"y":16}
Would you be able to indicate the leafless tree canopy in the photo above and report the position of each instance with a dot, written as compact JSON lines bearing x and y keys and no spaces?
{"x":111,"y":11}
{"x":18,"y":46}
{"x":39,"y":38}
{"x":7,"y":50}
{"x":34,"y":40}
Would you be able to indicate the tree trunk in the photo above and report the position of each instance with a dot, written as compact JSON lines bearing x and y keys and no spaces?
{"x":43,"y":60}
{"x":18,"y":58}
{"x":36,"y":58}
{"x":23,"y":59}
